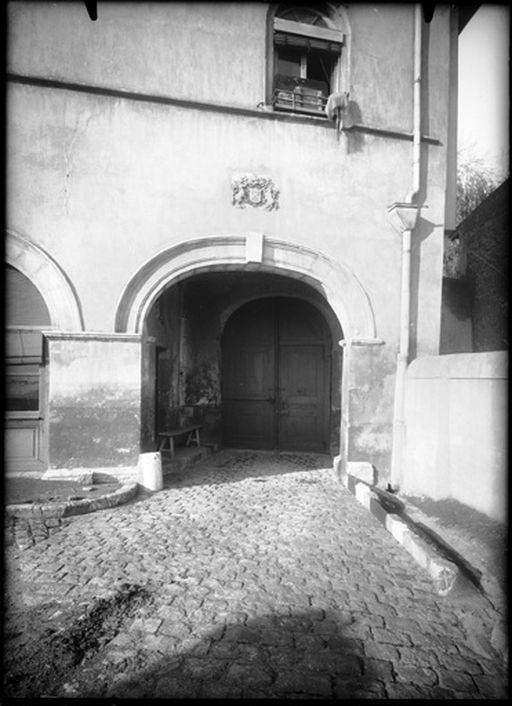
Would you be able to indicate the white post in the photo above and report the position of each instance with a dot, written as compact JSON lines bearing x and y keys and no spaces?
{"x":150,"y":471}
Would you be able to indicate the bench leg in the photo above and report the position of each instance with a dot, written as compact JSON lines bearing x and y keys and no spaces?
{"x":171,"y":445}
{"x":193,"y":438}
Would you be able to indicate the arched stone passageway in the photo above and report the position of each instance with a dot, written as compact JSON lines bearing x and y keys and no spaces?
{"x":185,"y":359}
{"x":158,"y":301}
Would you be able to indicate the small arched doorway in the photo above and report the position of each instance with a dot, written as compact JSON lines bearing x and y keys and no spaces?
{"x":276,"y":376}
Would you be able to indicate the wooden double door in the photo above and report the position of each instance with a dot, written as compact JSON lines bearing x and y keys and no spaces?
{"x":276,"y":376}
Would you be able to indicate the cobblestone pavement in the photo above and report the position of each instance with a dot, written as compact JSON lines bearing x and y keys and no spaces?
{"x":265,"y":578}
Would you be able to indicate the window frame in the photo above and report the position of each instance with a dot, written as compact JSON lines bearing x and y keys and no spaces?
{"x":18,"y":362}
{"x":329,"y":33}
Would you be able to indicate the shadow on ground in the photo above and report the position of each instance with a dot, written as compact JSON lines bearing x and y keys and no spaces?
{"x":304,"y":655}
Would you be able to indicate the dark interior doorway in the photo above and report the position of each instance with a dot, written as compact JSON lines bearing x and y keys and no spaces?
{"x":276,"y":369}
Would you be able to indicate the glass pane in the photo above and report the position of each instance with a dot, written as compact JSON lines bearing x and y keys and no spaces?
{"x":20,"y":344}
{"x":22,"y":389}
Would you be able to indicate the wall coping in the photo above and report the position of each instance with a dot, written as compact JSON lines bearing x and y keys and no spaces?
{"x":92,"y":336}
{"x":490,"y":364}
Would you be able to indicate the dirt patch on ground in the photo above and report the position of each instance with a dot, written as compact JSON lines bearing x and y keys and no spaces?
{"x":44,"y":645}
{"x":21,"y":490}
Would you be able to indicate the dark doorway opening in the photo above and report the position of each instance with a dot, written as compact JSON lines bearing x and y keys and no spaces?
{"x":276,"y":369}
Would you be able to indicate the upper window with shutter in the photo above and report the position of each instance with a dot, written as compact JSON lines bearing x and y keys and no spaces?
{"x":306,"y":53}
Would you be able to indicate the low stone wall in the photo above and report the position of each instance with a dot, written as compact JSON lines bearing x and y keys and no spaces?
{"x":27,"y":524}
{"x":456,"y":430}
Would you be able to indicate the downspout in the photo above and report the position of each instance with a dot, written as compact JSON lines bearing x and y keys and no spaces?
{"x":407,"y":213}
{"x":416,"y":137}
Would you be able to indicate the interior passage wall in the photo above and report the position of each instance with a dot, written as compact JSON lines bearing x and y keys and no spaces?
{"x":456,"y":430}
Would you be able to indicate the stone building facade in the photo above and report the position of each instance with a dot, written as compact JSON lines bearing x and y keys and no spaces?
{"x":197,"y":212}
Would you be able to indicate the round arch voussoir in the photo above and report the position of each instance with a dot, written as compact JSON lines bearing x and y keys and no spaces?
{"x":338,"y":284}
{"x":51,"y":281}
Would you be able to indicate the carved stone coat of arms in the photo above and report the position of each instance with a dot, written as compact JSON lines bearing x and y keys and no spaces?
{"x":257,"y":191}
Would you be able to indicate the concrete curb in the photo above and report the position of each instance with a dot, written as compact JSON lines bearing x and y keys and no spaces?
{"x":74,"y":507}
{"x":444,"y":572}
{"x":28,"y":524}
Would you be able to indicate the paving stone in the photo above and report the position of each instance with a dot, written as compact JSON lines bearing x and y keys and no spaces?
{"x":175,"y":688}
{"x":151,"y":625}
{"x":306,"y":684}
{"x":377,"y":650}
{"x":419,"y":657}
{"x":391,"y":637}
{"x":401,"y":624}
{"x":487,"y":685}
{"x":199,"y":668}
{"x":376,"y":621}
{"x":415,"y":675}
{"x":175,"y":629}
{"x":459,"y":663}
{"x":360,"y":688}
{"x":378,"y":669}
{"x":248,"y":675}
{"x":219,"y":690}
{"x":196,"y":646}
{"x":411,"y":691}
{"x":456,"y":681}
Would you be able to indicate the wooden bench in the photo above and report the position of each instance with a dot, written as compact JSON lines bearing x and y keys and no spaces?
{"x":192,"y":432}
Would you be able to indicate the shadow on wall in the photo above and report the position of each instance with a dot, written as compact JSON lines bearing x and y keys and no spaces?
{"x":355,"y":139}
{"x":423,"y":229}
{"x":288,"y":656}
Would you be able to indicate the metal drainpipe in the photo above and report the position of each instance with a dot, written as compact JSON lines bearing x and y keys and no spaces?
{"x":405,"y":294}
{"x":416,"y":145}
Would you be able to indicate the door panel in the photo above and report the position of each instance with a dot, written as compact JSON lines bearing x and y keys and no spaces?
{"x":23,"y":445}
{"x":249,"y":424}
{"x":248,"y":378}
{"x":248,"y":409}
{"x":302,"y":397}
{"x":275,"y":377}
{"x":251,"y":372}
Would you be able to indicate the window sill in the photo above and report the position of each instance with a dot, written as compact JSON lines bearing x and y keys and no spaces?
{"x":21,"y":416}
